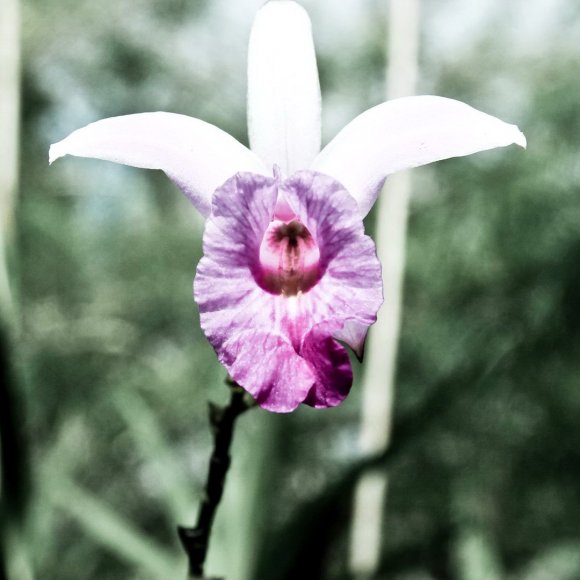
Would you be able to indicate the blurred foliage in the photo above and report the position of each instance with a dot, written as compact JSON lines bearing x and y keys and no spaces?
{"x":485,"y":467}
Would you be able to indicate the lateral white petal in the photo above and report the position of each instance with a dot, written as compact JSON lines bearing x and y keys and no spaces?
{"x":405,"y":133}
{"x":283,"y":87}
{"x":197,"y":156}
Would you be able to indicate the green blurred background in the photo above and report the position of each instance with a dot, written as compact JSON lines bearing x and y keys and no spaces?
{"x":105,"y":438}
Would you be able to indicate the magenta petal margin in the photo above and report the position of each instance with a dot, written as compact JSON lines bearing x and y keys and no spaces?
{"x":280,"y":341}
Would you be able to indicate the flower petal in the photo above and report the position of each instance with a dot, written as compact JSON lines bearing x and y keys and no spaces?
{"x":281,"y":347}
{"x":354,"y":334}
{"x":225,"y":288}
{"x":405,"y":133}
{"x":283,"y":87}
{"x":269,"y":368}
{"x":197,"y":156}
{"x":330,"y":362}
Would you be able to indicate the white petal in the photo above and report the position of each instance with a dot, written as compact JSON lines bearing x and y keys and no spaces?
{"x":196,"y":156}
{"x":405,"y":133}
{"x":283,"y":87}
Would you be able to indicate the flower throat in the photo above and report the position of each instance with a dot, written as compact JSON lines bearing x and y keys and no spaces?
{"x":289,"y":259}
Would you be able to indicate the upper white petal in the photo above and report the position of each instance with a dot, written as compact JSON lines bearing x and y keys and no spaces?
{"x":197,"y":156}
{"x":405,"y":133}
{"x":283,"y":87}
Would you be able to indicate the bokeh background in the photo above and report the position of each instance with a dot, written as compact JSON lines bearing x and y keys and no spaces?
{"x":106,"y":373}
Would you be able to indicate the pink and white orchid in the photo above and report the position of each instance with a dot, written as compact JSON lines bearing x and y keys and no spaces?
{"x":287,"y":270}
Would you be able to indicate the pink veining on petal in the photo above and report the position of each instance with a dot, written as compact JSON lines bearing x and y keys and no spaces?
{"x":267,"y":366}
{"x":275,"y":296}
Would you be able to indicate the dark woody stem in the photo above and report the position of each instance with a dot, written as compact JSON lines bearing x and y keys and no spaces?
{"x":195,"y":541}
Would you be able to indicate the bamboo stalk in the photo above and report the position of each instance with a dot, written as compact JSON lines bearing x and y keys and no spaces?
{"x":9,"y":142}
{"x":9,"y":109}
{"x":379,"y":380}
{"x":9,"y":147}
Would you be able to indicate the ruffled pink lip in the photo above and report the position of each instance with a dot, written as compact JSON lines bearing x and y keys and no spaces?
{"x":277,"y":295}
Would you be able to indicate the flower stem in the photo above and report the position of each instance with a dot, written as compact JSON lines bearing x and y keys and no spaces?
{"x":195,"y":541}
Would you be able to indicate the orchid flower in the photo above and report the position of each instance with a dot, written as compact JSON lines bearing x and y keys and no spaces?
{"x":288,"y":274}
